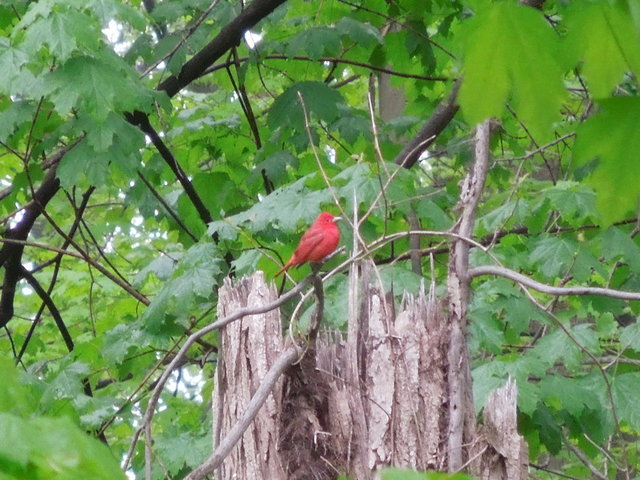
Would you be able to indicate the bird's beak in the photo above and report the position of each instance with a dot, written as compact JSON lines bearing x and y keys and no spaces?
{"x":335,"y":219}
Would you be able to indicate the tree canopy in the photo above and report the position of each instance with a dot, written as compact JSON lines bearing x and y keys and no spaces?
{"x":151,"y":148}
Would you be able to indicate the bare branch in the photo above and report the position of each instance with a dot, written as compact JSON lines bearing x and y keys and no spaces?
{"x":549,"y":289}
{"x":584,"y":459}
{"x":141,"y":120}
{"x":167,"y":207}
{"x":11,"y":253}
{"x":83,"y":256}
{"x":461,"y":421}
{"x":332,"y":60}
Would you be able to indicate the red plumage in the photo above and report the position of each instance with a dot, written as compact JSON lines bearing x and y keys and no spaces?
{"x":320,"y":240}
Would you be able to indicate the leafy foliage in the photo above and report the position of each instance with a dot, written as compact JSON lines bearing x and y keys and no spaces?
{"x":155,"y":197}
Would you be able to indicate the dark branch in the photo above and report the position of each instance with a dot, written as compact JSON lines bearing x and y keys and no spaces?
{"x":333,"y":61}
{"x":57,"y":261}
{"x":167,"y":207}
{"x":53,"y":309}
{"x":142,"y":121}
{"x":436,"y":123}
{"x":229,"y":37}
{"x":11,"y":254}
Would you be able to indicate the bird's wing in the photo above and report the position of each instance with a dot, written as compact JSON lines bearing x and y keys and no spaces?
{"x":309,"y":241}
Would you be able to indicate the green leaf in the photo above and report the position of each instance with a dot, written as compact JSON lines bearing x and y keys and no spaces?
{"x":611,"y":137}
{"x":41,"y":448}
{"x":192,"y":282}
{"x":511,"y":53}
{"x":612,"y":36}
{"x":16,"y":114}
{"x":400,"y":474}
{"x":247,"y":262}
{"x":361,"y":33}
{"x":576,"y":202}
{"x":287,"y":207}
{"x":618,"y":245}
{"x":550,"y":432}
{"x":186,"y":449}
{"x":570,"y":393}
{"x":83,"y":161}
{"x":98,"y":85}
{"x":216,"y":189}
{"x":112,"y":142}
{"x":630,"y":337}
{"x":508,"y":213}
{"x":626,"y":391}
{"x":318,"y":98}
{"x":64,"y":31}
{"x":554,"y":255}
{"x":225,"y":230}
{"x":274,"y":165}
{"x":12,"y":59}
{"x":107,"y":10}
{"x":314,"y":42}
{"x":162,"y":267}
{"x":486,"y":329}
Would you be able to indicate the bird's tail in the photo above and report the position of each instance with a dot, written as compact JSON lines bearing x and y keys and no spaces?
{"x":283,"y":269}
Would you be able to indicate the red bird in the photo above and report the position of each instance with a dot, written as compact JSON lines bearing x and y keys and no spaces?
{"x":320,"y":240}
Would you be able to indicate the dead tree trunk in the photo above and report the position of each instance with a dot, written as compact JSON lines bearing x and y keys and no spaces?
{"x":247,"y":349}
{"x":352,"y":405}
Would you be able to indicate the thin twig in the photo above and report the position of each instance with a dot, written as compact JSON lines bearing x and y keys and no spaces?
{"x":167,"y":207}
{"x":128,"y":288}
{"x":584,"y":459}
{"x":346,"y":61}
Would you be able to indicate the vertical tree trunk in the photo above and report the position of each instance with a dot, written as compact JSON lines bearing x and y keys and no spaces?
{"x":247,"y":348}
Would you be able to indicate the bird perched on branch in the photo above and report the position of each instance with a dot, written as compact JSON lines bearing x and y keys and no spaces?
{"x":320,"y":240}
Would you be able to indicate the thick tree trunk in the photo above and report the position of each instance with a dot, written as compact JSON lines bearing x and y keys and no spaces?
{"x":247,"y":349}
{"x":380,"y":397}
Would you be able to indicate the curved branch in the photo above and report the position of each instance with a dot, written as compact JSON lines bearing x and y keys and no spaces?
{"x":461,"y":416}
{"x":167,"y":207}
{"x":549,"y":289}
{"x":11,"y":254}
{"x":190,"y":31}
{"x":142,"y":121}
{"x":53,"y":309}
{"x":57,"y":261}
{"x":83,"y":256}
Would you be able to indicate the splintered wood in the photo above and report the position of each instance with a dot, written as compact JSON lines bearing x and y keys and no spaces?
{"x":399,"y":383}
{"x":356,"y":403}
{"x":499,"y":452}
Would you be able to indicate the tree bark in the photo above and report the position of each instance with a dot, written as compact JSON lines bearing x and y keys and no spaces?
{"x":248,"y":348}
